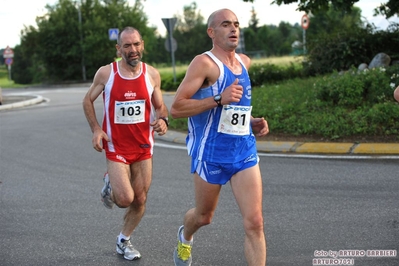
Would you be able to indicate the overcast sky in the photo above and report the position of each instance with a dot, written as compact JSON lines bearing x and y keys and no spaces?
{"x":14,"y":14}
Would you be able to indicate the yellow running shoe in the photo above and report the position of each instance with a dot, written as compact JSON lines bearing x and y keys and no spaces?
{"x":182,"y":253}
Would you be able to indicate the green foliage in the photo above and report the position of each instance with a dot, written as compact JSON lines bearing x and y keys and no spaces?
{"x":332,"y":106}
{"x":191,"y":34}
{"x":333,"y":21}
{"x":5,"y":82}
{"x":189,"y":45}
{"x":342,"y":90}
{"x":390,"y":8}
{"x":179,"y":124}
{"x":269,"y":73}
{"x":168,"y":83}
{"x":353,"y":88}
{"x":343,"y":50}
{"x":28,"y":67}
{"x":315,"y":6}
{"x":71,"y":41}
{"x":272,"y":40}
{"x":74,"y":36}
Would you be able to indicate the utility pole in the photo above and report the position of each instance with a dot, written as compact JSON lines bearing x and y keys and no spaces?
{"x":81,"y":41}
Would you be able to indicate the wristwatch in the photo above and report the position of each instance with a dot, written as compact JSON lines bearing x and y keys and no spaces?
{"x":218,"y":99}
{"x":166,"y":120}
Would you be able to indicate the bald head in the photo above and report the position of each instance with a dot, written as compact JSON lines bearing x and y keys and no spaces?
{"x":218,"y":15}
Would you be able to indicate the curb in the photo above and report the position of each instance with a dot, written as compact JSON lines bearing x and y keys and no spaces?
{"x":18,"y":101}
{"x":292,"y":147}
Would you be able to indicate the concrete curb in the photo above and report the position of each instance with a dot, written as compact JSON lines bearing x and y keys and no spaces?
{"x":18,"y":101}
{"x":306,"y":147}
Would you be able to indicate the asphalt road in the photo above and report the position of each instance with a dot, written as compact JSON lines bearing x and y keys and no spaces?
{"x":51,"y":214}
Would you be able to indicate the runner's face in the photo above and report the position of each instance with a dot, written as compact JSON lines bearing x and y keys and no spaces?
{"x":132,"y":48}
{"x":227,"y":30}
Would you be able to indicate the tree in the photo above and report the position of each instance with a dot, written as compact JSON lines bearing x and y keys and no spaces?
{"x":73,"y":34}
{"x":253,"y":23}
{"x":388,"y":9}
{"x":190,"y":19}
{"x":190,"y":34}
{"x":28,"y":65}
{"x":333,"y":21}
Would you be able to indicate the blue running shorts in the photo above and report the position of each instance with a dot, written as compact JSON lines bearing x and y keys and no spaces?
{"x":221,"y":173}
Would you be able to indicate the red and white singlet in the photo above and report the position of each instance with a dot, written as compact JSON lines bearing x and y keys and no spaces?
{"x":128,"y":113}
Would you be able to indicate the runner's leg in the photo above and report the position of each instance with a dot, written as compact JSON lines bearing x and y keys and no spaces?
{"x":206,"y":199}
{"x":141,"y":177}
{"x":119,"y":177}
{"x":247,"y":189}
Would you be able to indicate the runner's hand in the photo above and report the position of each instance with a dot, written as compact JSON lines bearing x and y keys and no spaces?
{"x":159,"y":126}
{"x":98,"y":136}
{"x":260,"y":126}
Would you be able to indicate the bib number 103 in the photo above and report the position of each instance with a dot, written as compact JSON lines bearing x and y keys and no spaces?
{"x":235,"y":120}
{"x":130,"y":112}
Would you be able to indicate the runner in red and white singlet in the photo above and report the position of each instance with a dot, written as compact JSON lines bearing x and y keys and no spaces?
{"x":133,"y":111}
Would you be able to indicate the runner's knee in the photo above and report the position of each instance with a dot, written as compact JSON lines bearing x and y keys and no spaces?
{"x":123,"y":201}
{"x":140,"y":200}
{"x":204,"y":219}
{"x":254,"y":223}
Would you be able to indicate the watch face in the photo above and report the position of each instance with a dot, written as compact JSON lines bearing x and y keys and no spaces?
{"x":217,"y":97}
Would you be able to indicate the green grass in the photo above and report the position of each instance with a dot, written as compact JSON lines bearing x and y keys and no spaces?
{"x":278,"y":61}
{"x":5,"y":82}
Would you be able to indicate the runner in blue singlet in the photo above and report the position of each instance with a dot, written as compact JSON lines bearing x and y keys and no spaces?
{"x":215,"y":95}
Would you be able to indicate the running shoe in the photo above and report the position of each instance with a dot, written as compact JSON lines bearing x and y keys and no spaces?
{"x":125,"y":248}
{"x":106,"y":193}
{"x":182,"y":253}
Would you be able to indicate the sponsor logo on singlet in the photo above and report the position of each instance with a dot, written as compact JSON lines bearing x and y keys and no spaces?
{"x":130,"y":95}
{"x":248,"y":95}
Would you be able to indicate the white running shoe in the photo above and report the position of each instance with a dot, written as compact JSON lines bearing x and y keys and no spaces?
{"x":125,"y":248}
{"x":106,"y":193}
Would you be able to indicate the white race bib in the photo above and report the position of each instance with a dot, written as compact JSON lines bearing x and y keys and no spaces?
{"x":235,"y":120}
{"x":130,"y":112}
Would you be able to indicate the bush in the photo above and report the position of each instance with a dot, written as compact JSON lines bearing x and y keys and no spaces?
{"x":346,"y":49}
{"x":352,"y":88}
{"x":168,"y":83}
{"x":259,"y":73}
{"x":269,"y":73}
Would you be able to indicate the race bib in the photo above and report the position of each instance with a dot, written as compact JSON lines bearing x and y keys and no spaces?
{"x":235,"y":120}
{"x":130,"y":112}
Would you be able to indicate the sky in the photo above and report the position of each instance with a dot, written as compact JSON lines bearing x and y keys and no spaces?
{"x":15,"y":14}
